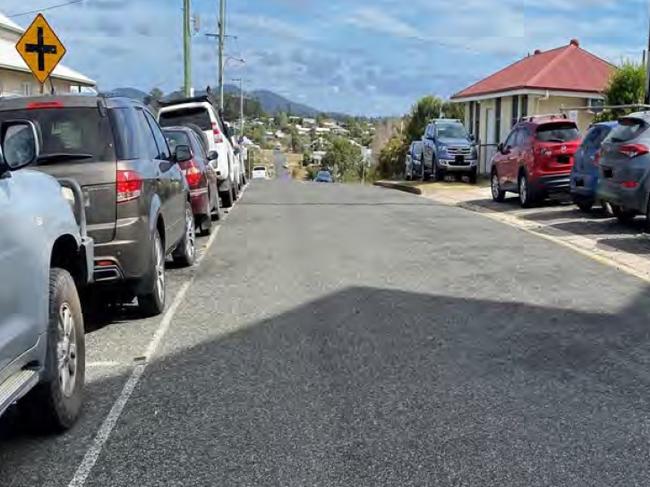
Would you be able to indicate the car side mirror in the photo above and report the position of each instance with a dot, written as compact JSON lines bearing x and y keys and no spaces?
{"x":183,"y":153}
{"x":472,"y":138}
{"x":213,"y":155}
{"x":19,"y":146}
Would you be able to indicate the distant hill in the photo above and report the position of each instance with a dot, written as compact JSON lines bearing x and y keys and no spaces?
{"x":133,"y":93}
{"x":271,"y":102}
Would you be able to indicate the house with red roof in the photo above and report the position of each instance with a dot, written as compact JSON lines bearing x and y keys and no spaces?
{"x":542,"y":83}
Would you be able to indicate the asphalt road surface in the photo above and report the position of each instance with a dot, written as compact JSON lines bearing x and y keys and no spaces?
{"x":279,"y":159}
{"x":350,"y":336}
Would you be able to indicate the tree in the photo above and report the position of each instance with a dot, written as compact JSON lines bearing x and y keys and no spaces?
{"x":282,"y":120}
{"x":156,"y":94}
{"x":392,"y":156}
{"x":422,"y":113}
{"x":626,"y":87}
{"x":345,"y":159}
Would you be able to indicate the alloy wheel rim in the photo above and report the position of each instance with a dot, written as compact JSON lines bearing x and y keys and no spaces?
{"x":67,"y":350}
{"x":189,"y":236}
{"x":160,"y":271}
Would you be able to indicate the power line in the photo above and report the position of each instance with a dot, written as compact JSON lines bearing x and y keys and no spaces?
{"x":51,"y":7}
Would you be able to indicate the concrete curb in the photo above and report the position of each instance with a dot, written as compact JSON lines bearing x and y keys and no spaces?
{"x":399,"y":186}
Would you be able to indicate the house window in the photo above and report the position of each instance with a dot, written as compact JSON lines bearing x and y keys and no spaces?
{"x":524,"y":106}
{"x":497,"y":121}
{"x":515,"y":110}
{"x":27,"y":89}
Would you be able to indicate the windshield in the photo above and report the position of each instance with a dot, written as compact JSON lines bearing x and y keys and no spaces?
{"x":451,"y":131}
{"x":627,"y":129}
{"x":183,"y":116}
{"x":558,"y":132}
{"x":67,"y":134}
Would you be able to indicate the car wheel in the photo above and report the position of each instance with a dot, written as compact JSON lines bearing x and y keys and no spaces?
{"x":206,"y":220}
{"x":473,"y":177}
{"x":585,"y":205}
{"x":498,"y":194}
{"x":436,"y":173}
{"x":54,"y":405}
{"x":525,"y":196}
{"x":227,"y":199}
{"x":185,"y":253}
{"x":153,"y":303}
{"x":216,"y":211}
{"x":624,"y":215}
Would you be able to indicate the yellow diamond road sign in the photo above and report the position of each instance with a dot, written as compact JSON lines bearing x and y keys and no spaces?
{"x":40,"y":48}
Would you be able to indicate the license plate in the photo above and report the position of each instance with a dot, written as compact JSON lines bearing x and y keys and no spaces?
{"x":460,"y":159}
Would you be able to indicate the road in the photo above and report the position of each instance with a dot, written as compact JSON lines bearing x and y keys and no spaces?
{"x":352,"y":336}
{"x":279,"y":160}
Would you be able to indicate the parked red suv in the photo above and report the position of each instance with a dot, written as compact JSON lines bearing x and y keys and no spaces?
{"x":536,"y":159}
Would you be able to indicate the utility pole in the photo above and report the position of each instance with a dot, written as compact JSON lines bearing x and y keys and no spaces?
{"x":222,"y":42}
{"x":647,"y":81}
{"x":187,"y":52}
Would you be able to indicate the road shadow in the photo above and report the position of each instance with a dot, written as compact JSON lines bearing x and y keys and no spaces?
{"x":373,"y":386}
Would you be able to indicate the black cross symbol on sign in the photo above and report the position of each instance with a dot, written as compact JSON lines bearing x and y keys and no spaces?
{"x":41,"y":48}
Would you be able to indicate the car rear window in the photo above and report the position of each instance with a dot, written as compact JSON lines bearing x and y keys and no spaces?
{"x":176,"y":138}
{"x":558,"y":132}
{"x":198,"y":116}
{"x":259,"y":168}
{"x":79,"y":134}
{"x":627,"y":129}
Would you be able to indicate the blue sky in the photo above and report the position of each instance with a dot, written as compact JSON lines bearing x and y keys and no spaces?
{"x":372,"y":57}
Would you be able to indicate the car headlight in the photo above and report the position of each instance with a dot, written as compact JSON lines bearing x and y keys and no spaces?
{"x":442,"y":148}
{"x":474,"y":152}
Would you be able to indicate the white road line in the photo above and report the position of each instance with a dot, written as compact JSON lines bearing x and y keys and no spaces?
{"x":104,"y":433}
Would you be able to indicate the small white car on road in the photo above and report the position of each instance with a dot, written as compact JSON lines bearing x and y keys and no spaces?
{"x":260,"y":172}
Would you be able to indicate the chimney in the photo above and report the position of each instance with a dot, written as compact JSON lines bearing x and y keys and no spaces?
{"x":574,"y":42}
{"x":537,"y":51}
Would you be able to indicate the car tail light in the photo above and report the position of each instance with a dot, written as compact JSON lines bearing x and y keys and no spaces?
{"x":192,"y":174}
{"x":37,"y":105}
{"x":629,"y":184}
{"x":633,"y":150}
{"x":129,"y":185}
{"x":218,"y":138}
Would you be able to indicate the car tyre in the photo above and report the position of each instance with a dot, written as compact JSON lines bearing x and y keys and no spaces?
{"x":227,"y":198}
{"x":473,"y":177}
{"x":205,"y":225}
{"x":438,"y":174}
{"x":585,"y":205}
{"x":623,"y":215}
{"x":216,"y":214}
{"x":525,"y":193}
{"x":153,"y":303}
{"x":55,"y":404}
{"x":185,"y":252}
{"x":498,"y":194}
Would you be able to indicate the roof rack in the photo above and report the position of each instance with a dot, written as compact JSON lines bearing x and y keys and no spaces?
{"x":192,"y":99}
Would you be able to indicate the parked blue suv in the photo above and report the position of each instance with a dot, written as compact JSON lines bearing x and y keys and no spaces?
{"x":585,"y":172}
{"x":449,"y":149}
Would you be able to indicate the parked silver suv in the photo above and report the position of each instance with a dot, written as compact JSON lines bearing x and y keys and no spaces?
{"x":44,"y":255}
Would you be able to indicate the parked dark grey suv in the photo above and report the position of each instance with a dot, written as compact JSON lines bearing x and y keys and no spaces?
{"x":137,"y":199}
{"x":624,"y":180}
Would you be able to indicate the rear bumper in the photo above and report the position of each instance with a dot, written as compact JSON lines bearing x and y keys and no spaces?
{"x":128,"y":256}
{"x":199,"y":199}
{"x":551,"y":184}
{"x":612,"y":192}
{"x":584,"y":186}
